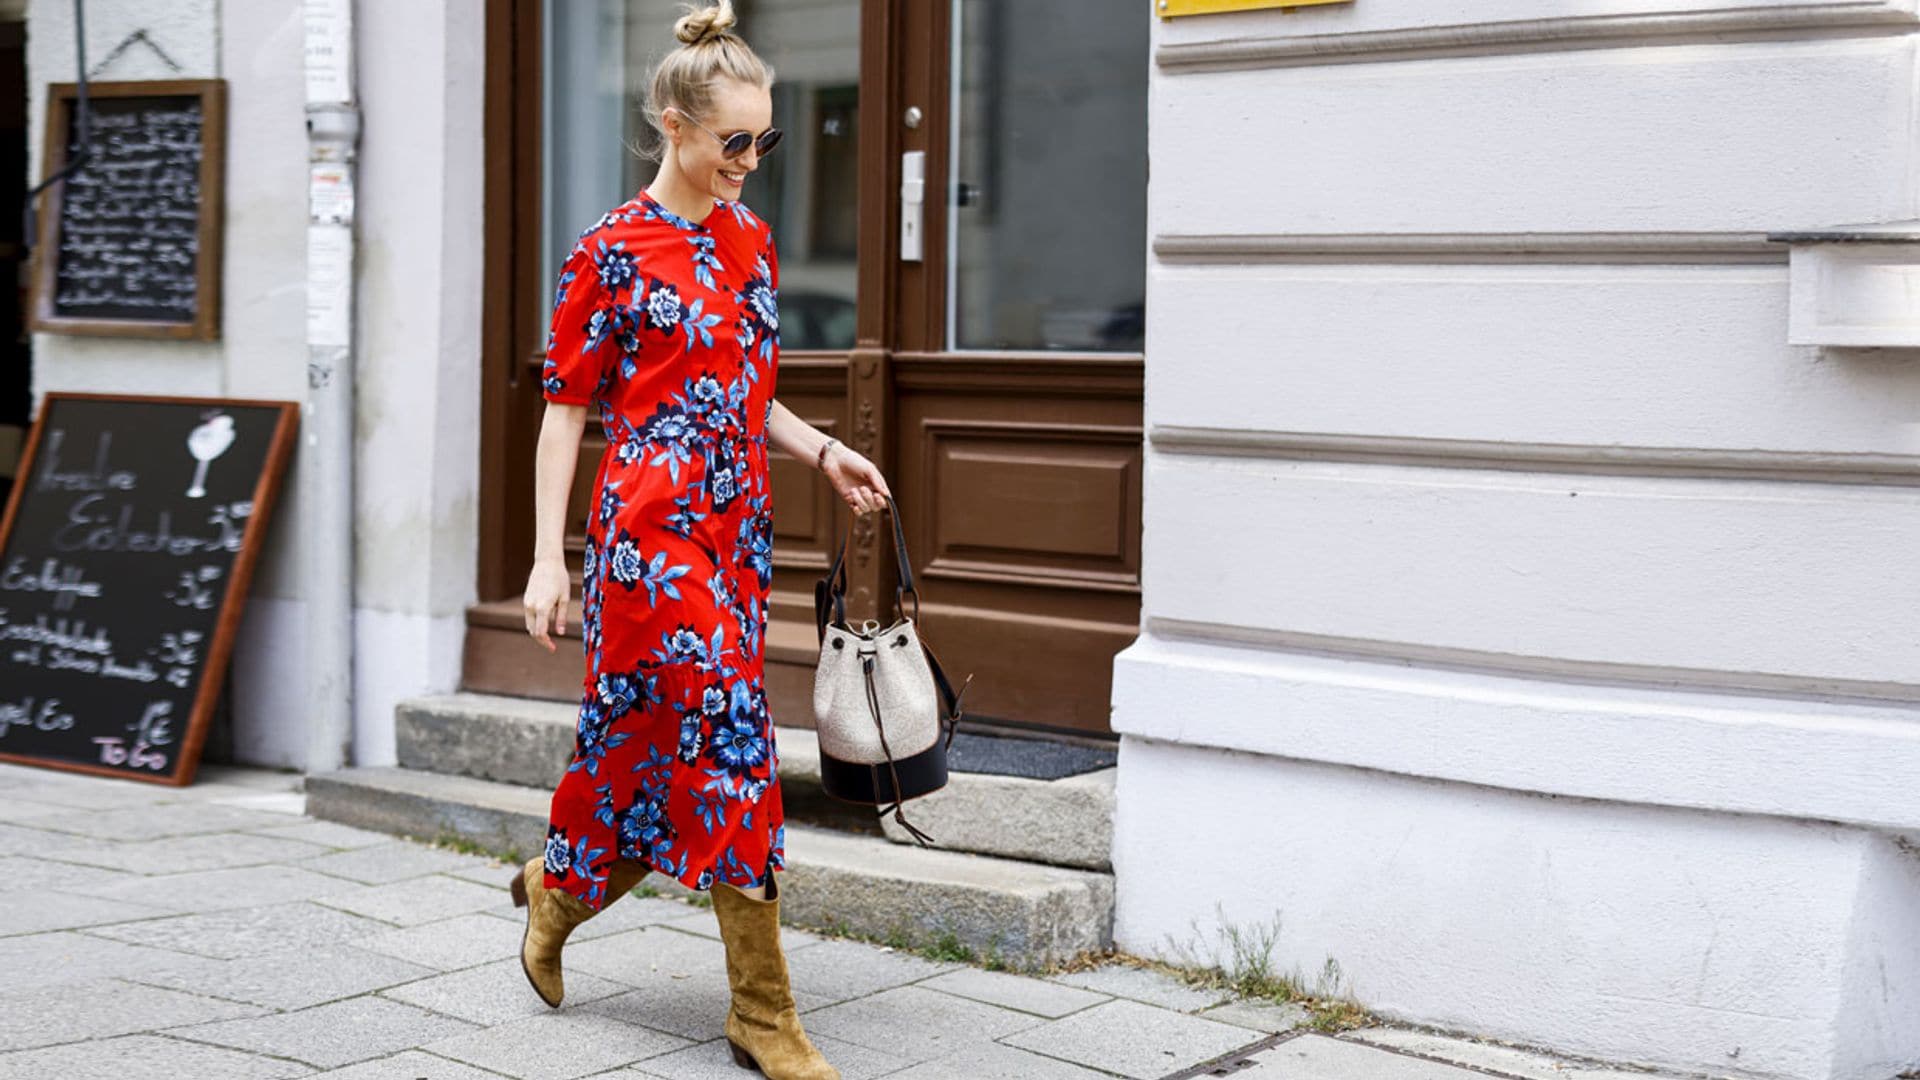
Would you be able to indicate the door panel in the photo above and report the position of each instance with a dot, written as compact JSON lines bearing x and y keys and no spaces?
{"x":1020,"y":482}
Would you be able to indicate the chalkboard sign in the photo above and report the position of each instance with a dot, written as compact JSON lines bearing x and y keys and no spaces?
{"x":129,"y":245}
{"x":125,"y":553}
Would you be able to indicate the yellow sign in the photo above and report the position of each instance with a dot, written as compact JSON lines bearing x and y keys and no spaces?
{"x":1167,"y":9}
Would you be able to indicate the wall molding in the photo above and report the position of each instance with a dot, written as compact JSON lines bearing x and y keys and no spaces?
{"x":1823,"y":760}
{"x":1664,"y":248}
{"x":1782,"y":465}
{"x":1552,"y":669}
{"x":1853,"y":18}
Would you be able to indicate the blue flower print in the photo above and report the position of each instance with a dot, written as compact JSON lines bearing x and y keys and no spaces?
{"x":618,"y":692}
{"x":644,"y":827}
{"x":704,"y":262}
{"x":712,"y":815}
{"x":663,"y":307}
{"x":692,"y":738}
{"x":625,"y":564}
{"x":559,"y":856}
{"x":747,"y":706}
{"x":592,"y":740}
{"x":706,"y":392}
{"x":684,"y":517}
{"x":756,"y":544}
{"x":610,"y":504}
{"x":720,"y":484}
{"x":738,"y":749}
{"x":721,"y":586}
{"x":654,"y":211}
{"x":765,"y":305}
{"x":699,"y":326}
{"x":660,"y":577}
{"x":615,"y":265}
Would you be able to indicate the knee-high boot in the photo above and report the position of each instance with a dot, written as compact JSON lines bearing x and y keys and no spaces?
{"x":551,"y":916}
{"x":763,"y":1027}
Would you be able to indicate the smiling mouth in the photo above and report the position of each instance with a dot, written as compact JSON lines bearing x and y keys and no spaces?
{"x":733,"y":178}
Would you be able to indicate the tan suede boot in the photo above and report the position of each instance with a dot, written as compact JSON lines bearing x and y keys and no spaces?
{"x":763,"y":1027}
{"x":552,"y":914}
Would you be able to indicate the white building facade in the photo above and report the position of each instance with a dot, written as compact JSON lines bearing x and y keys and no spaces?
{"x":418,"y":297}
{"x":1527,"y":625}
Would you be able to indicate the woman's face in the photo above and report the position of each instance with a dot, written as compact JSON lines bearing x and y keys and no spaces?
{"x":736,"y":107}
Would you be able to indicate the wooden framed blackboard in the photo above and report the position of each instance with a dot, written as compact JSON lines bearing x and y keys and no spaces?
{"x":125,"y":554}
{"x":130,"y":245}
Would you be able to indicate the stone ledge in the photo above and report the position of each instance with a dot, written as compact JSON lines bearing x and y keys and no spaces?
{"x":1066,"y":822}
{"x":1023,"y":913}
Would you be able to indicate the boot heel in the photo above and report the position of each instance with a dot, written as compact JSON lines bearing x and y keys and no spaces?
{"x":518,"y":887}
{"x":741,"y":1057}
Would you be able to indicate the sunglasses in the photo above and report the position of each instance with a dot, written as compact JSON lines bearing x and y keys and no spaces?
{"x":736,"y":144}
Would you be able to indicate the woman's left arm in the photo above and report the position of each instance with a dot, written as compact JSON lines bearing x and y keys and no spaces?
{"x":857,"y":480}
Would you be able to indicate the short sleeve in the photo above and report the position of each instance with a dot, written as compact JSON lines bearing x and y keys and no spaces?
{"x":581,"y":306}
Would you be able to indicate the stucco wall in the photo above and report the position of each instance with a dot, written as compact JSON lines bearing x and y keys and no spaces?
{"x":1491,"y":521}
{"x":418,"y":299}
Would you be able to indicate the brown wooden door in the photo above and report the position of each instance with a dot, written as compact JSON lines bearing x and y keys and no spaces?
{"x":997,"y":378}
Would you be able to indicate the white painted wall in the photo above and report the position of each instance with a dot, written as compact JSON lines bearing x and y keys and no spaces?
{"x":1528,"y":625}
{"x":419,"y":305}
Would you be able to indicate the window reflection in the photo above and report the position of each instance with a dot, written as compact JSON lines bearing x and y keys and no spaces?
{"x":1047,"y":233}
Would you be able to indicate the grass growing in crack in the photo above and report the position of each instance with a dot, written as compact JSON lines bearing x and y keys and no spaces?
{"x":940,"y":947}
{"x":452,"y":841}
{"x":1243,"y":962}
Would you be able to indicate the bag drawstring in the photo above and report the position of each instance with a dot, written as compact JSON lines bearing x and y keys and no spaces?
{"x":873,"y":706}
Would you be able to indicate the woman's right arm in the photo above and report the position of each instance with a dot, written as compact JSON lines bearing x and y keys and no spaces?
{"x":554,"y":461}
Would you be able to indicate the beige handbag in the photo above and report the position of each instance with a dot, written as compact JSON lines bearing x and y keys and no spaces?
{"x":884,"y":710}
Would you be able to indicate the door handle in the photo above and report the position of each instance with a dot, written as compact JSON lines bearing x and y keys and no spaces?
{"x":913,"y":204}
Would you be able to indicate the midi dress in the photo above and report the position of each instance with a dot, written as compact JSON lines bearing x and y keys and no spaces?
{"x":670,"y":328}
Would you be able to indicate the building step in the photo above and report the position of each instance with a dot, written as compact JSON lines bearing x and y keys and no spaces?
{"x":526,"y":741}
{"x":1026,"y":914}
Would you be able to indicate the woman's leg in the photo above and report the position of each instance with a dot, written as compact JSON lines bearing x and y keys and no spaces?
{"x":552,"y":915}
{"x":763,"y":1026}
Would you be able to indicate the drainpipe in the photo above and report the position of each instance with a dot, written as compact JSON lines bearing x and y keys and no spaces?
{"x":333,"y":133}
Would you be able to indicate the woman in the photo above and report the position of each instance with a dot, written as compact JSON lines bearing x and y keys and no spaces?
{"x":666,"y":320}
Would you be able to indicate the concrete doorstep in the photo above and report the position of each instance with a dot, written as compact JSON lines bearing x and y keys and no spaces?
{"x":1066,"y":822}
{"x":1024,"y":914}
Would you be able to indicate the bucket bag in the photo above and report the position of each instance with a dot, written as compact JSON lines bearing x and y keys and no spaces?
{"x":884,"y":709}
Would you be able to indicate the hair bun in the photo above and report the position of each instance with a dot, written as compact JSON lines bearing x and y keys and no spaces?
{"x":706,"y":24}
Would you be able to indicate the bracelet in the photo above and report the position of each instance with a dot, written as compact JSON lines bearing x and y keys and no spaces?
{"x":820,"y":459}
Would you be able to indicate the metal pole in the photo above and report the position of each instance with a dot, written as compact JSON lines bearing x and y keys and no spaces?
{"x":327,"y":485}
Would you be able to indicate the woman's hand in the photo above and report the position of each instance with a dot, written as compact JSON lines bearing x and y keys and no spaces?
{"x":546,"y":600}
{"x":856,"y":479}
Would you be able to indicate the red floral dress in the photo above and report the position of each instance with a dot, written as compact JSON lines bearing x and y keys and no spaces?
{"x":670,"y":328}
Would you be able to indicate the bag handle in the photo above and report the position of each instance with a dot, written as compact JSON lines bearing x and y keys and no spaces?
{"x":831,"y":591}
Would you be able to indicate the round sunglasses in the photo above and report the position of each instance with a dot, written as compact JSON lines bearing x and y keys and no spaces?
{"x":736,"y":144}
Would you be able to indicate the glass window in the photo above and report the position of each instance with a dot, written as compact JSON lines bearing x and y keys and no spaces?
{"x":598,"y":56}
{"x":1047,"y":243}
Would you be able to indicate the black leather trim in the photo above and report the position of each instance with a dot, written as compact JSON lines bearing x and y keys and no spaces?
{"x":921,"y":774}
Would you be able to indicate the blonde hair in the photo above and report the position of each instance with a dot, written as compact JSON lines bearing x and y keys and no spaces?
{"x":684,"y":78}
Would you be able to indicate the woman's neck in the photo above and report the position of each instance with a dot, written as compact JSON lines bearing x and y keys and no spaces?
{"x":671,"y":190}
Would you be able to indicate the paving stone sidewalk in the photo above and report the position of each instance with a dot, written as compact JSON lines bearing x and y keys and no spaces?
{"x":215,"y":932}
